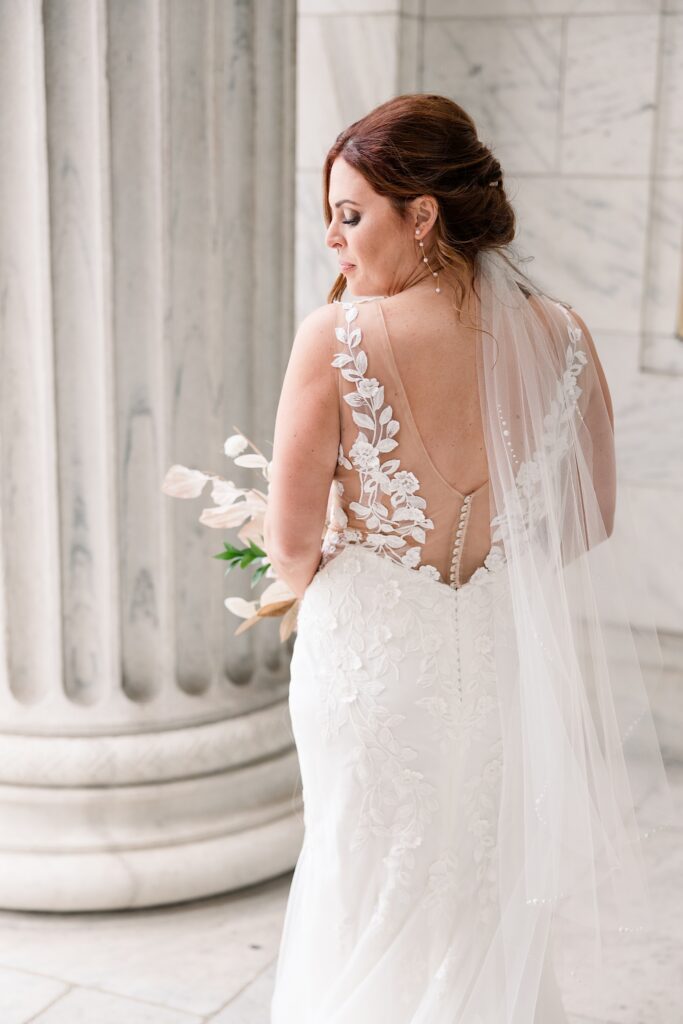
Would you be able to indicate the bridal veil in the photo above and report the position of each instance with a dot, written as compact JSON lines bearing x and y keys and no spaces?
{"x":583,"y":784}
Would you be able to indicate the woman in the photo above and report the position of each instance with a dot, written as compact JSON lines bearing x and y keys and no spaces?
{"x":468,"y":808}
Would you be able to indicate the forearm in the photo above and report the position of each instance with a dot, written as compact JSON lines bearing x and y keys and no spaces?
{"x":297,"y":570}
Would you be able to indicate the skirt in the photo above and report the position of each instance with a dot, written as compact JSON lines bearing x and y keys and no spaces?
{"x":393,"y":910}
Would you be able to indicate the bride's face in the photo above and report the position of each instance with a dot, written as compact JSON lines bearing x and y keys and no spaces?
{"x":366,"y":232}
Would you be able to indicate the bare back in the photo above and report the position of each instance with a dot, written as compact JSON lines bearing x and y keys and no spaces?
{"x":434,"y":355}
{"x":412,"y":476}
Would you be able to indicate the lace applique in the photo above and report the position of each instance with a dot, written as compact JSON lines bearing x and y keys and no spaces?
{"x":390,"y":525}
{"x":358,"y":664}
{"x":344,"y":931}
{"x":468,"y":721}
{"x":444,"y":886}
{"x":460,"y":704}
{"x":482,"y":793}
{"x":524,"y":503}
{"x":364,"y":627}
{"x":449,"y":876}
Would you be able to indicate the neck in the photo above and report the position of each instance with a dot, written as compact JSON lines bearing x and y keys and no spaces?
{"x":448,"y":281}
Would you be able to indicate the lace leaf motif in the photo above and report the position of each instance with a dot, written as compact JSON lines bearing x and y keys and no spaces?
{"x":524,"y":504}
{"x":393,"y":511}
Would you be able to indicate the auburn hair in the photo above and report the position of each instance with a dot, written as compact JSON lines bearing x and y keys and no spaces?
{"x":423,"y":144}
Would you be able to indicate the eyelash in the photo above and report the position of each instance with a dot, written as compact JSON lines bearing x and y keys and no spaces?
{"x":352,"y":221}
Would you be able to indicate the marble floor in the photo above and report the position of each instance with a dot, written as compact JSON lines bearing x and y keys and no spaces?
{"x":213,"y":960}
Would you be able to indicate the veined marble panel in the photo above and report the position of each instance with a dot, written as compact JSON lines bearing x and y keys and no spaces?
{"x":662,"y":349}
{"x":668,"y":157}
{"x":657,"y":513}
{"x":648,"y":415}
{"x":665,"y":697}
{"x":346,"y":65}
{"x":483,"y":8}
{"x":356,"y":6}
{"x":588,"y":240}
{"x":609,"y":95}
{"x":663,"y":353}
{"x":649,"y":424}
{"x":506,"y":75}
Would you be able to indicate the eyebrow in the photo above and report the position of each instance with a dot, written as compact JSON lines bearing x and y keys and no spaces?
{"x":350,"y":201}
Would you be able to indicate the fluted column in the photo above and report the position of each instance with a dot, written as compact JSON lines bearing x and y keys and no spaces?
{"x":146,"y":236}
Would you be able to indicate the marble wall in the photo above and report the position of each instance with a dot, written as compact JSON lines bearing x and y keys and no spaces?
{"x":582,"y":102}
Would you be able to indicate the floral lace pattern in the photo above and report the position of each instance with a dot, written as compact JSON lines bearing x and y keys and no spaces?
{"x":481,"y":793}
{"x":458,"y":702}
{"x":445,"y":884}
{"x":389,"y":503}
{"x":524,"y":503}
{"x":375,"y":628}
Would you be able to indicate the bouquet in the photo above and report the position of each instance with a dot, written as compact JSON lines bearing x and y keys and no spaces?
{"x":245,"y":507}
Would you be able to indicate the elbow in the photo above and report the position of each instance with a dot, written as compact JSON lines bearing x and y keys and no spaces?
{"x":287,"y":555}
{"x":609,"y":512}
{"x":607,"y":499}
{"x":282,"y":550}
{"x":288,"y":544}
{"x":276,"y":546}
{"x":608,"y":523}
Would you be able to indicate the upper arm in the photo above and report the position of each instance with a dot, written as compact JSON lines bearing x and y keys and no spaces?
{"x":590,"y":344}
{"x":307,"y":435}
{"x":598,"y":417}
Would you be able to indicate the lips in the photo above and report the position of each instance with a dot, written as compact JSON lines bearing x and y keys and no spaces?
{"x":345,"y":266}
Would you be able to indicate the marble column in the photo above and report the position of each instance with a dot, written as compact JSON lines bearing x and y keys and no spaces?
{"x":146,"y":242}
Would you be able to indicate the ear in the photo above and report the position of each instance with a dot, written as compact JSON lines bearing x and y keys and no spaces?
{"x":425,"y":210}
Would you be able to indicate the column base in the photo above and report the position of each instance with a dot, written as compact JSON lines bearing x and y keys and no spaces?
{"x":147,"y":819}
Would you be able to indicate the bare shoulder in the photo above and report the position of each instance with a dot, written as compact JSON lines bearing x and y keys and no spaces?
{"x":310,"y":359}
{"x":586,"y":336}
{"x":552,"y":311}
{"x":315,"y":336}
{"x":317,"y":324}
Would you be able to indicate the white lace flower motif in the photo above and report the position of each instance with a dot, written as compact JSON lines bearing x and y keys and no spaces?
{"x":364,"y":455}
{"x":403,"y":484}
{"x":388,"y":593}
{"x":397,"y":529}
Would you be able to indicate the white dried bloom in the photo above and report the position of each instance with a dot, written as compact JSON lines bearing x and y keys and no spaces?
{"x":235,"y":444}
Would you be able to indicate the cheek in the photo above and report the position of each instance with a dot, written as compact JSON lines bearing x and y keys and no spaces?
{"x":366,"y":240}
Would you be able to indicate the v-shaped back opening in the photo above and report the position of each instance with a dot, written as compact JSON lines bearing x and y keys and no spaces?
{"x":409,"y":411}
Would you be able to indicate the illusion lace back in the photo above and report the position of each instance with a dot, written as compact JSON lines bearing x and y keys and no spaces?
{"x":393,"y":913}
{"x":389,"y":495}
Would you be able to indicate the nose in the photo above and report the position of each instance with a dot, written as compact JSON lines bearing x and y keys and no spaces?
{"x":333,"y":238}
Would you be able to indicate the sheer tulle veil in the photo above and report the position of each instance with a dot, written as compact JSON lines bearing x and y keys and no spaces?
{"x":583,"y":785}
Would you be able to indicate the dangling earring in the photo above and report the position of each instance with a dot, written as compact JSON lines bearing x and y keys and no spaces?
{"x":434,"y":273}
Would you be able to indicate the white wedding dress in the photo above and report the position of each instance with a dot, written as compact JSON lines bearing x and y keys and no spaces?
{"x":396,"y":718}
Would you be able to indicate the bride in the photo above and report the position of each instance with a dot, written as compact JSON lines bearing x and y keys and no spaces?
{"x":473,"y":821}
